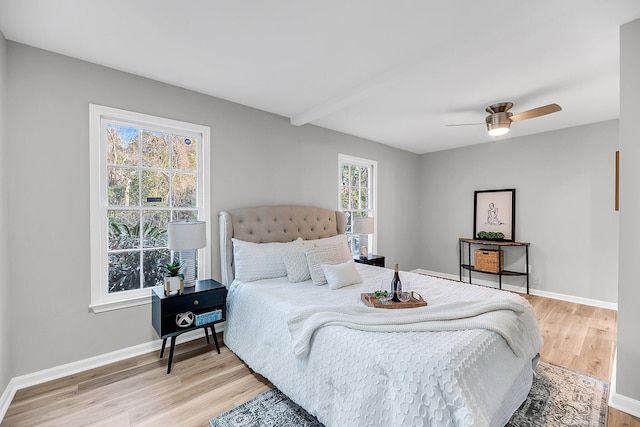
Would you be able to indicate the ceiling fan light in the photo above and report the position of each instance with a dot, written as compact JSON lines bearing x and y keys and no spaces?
{"x":498,"y":130}
{"x":498,"y":123}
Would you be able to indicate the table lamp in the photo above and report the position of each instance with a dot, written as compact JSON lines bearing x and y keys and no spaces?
{"x":363,"y":225}
{"x":186,"y":237}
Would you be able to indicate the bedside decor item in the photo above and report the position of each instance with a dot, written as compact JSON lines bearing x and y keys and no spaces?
{"x":494,"y":211}
{"x":174,"y":282}
{"x":363,"y":225}
{"x":186,"y":237}
{"x":184,"y":320}
{"x":208,"y":317}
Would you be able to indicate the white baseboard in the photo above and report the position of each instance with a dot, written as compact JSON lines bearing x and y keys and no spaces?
{"x":617,"y":401}
{"x":67,"y":369}
{"x":523,"y":289}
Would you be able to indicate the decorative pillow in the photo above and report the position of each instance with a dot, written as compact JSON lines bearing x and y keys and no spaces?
{"x":295,"y":261}
{"x":255,"y":261}
{"x":340,"y":239}
{"x":340,"y":275}
{"x":325,"y":254}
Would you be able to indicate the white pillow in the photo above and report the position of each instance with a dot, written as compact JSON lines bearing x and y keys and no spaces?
{"x":295,"y":261}
{"x":341,"y":275}
{"x":326,"y":254}
{"x":255,"y":261}
{"x":340,"y":239}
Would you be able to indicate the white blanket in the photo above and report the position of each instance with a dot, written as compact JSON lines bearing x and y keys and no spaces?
{"x":351,"y":377}
{"x":503,"y":317}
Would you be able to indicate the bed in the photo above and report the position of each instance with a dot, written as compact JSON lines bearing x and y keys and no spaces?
{"x":351,"y":365}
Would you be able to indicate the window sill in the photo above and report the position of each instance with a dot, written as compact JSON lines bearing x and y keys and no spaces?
{"x":117,"y":305}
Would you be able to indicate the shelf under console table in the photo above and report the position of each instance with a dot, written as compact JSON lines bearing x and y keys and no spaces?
{"x":494,"y":243}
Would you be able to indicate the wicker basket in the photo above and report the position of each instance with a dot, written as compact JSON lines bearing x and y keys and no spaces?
{"x":489,"y":260}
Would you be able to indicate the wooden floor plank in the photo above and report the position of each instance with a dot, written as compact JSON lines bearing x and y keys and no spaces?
{"x":203,"y":383}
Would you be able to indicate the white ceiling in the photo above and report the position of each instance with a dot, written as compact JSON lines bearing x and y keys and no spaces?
{"x":392,"y":71}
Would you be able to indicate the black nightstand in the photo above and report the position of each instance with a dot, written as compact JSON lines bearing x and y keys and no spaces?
{"x":205,"y":302}
{"x":371,"y":259}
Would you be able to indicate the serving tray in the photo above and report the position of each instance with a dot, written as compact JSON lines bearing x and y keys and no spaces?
{"x":415,"y":301}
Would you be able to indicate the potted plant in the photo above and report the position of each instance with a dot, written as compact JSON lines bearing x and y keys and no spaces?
{"x":174,"y":281}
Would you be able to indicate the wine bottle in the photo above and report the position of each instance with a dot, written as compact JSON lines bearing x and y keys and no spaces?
{"x":396,"y":285}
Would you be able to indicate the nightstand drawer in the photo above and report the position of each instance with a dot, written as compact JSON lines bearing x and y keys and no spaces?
{"x":196,"y":302}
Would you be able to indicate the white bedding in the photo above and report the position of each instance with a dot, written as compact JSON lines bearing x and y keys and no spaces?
{"x":352,"y":377}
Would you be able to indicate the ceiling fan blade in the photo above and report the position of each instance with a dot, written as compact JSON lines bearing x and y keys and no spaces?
{"x":536,"y":112}
{"x":466,"y":124}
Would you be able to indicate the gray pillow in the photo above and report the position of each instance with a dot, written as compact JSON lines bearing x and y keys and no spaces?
{"x":324,"y":254}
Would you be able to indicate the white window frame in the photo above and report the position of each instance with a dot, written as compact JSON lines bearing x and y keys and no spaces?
{"x":373,"y":188}
{"x":99,"y":115}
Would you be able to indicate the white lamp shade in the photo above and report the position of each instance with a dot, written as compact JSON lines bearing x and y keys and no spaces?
{"x":363,"y":225}
{"x":187,"y":235}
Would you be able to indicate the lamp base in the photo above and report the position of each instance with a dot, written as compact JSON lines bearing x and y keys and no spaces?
{"x":188,"y":259}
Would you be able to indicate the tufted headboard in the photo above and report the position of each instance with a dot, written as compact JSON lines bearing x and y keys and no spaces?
{"x":266,"y":224}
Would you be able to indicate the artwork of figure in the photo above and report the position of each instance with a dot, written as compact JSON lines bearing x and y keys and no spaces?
{"x":492,"y":215}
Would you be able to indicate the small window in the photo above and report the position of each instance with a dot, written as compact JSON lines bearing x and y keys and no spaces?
{"x":357,"y":197}
{"x":145,"y":172}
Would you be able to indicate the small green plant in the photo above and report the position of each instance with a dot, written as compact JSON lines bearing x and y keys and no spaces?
{"x":173,"y":269}
{"x":491,"y":235}
{"x":379,"y":294}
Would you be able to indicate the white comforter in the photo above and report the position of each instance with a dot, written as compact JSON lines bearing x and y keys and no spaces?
{"x":352,"y":377}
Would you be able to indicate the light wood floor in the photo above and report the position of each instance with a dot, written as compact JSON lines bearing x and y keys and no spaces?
{"x":582,"y":338}
{"x":203,"y":384}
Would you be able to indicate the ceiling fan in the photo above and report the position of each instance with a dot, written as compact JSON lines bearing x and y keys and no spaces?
{"x":499,"y":119}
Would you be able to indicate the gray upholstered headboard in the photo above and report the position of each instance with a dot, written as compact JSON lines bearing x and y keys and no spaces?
{"x":265,"y":224}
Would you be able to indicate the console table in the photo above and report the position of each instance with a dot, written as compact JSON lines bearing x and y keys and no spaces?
{"x":499,"y":243}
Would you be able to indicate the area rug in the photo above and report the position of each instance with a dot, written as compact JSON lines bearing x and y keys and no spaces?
{"x":558,"y":397}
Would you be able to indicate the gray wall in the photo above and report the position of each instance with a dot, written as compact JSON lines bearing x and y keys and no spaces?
{"x":564,"y":183}
{"x":256,"y":158}
{"x":4,"y":283}
{"x":628,"y":374}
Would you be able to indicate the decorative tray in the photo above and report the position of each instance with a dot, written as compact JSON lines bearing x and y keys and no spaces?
{"x":415,"y":301}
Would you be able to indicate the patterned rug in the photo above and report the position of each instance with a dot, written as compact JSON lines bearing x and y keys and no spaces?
{"x":558,"y":397}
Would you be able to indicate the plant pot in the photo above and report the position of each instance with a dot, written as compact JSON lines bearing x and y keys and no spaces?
{"x":174,"y":284}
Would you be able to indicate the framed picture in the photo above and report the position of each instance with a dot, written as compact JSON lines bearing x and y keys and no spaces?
{"x":494,"y":212}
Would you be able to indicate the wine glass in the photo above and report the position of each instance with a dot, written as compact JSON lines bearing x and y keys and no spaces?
{"x":384,"y":285}
{"x":405,"y":295}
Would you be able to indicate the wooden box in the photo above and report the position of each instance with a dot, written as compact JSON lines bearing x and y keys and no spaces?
{"x":489,"y":260}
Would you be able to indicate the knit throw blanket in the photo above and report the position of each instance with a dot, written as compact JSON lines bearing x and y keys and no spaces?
{"x":506,"y":318}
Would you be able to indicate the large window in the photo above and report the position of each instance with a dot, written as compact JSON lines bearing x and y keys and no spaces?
{"x":357,"y":197}
{"x":145,"y":172}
